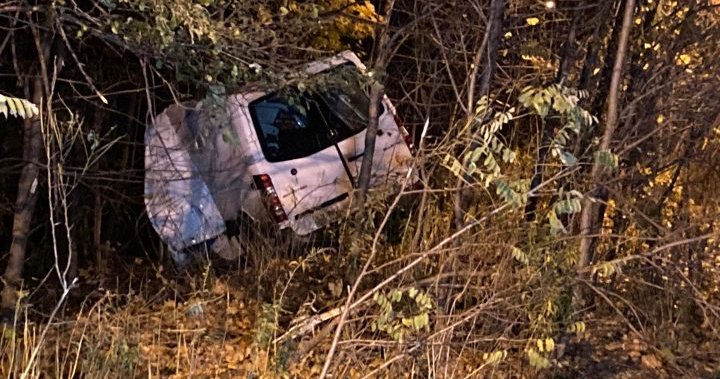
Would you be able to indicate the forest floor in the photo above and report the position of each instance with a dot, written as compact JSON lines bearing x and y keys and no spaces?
{"x":148,"y":322}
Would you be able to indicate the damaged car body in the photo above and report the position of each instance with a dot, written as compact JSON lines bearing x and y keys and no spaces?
{"x":290,"y":158}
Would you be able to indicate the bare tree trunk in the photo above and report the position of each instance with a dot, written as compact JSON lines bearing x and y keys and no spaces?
{"x":26,"y":198}
{"x":377,"y":91}
{"x":493,"y":35}
{"x":376,"y":94}
{"x":589,"y":210}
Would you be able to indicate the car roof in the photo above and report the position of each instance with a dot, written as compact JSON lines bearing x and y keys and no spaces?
{"x":250,"y":92}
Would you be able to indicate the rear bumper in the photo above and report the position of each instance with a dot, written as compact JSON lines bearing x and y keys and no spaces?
{"x":310,"y":220}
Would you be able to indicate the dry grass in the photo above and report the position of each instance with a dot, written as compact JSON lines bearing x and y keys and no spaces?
{"x":648,"y":319}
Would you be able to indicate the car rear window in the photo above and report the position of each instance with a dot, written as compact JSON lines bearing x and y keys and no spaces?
{"x":294,"y":125}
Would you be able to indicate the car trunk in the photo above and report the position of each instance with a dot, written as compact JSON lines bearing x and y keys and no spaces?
{"x":314,"y":143}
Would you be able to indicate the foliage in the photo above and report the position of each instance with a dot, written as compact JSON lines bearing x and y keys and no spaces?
{"x":402,"y":313}
{"x":227,"y":41}
{"x":564,"y":102}
{"x":17,"y":107}
{"x":488,"y":149}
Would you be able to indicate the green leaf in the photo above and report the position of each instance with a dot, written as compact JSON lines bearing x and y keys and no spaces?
{"x":606,"y":158}
{"x":395,"y":295}
{"x":556,"y":226}
{"x":476,"y":154}
{"x":568,"y":159}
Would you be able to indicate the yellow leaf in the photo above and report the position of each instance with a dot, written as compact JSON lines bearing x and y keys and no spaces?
{"x":549,"y":344}
{"x":684,"y":58}
{"x":651,"y":361}
{"x":660,"y":119}
{"x":532,"y":21}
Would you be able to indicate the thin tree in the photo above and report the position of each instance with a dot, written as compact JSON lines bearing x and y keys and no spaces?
{"x":590,"y":208}
{"x":490,"y":45}
{"x":30,"y":174}
{"x":377,"y":91}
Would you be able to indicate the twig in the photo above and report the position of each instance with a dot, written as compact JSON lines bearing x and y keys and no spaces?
{"x":79,"y":65}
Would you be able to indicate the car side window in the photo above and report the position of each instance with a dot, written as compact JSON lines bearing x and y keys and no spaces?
{"x":284,"y":128}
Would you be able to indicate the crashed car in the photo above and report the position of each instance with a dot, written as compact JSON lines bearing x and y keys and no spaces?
{"x":291,"y":158}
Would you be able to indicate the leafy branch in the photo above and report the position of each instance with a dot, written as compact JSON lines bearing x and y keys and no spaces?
{"x":17,"y":107}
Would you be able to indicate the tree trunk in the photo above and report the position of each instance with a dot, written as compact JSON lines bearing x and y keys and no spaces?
{"x":25,"y":201}
{"x":493,"y":35}
{"x":29,"y":176}
{"x":377,"y":92}
{"x":566,"y":59}
{"x":593,"y":47}
{"x":589,"y":210}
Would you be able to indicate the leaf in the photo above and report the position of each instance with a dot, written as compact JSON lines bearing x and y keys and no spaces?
{"x":568,"y":159}
{"x":556,"y":226}
{"x":476,"y":154}
{"x":532,"y":21}
{"x":520,"y":255}
{"x":420,"y":321}
{"x":495,"y":356}
{"x":651,"y":361}
{"x":549,"y":344}
{"x":17,"y":107}
{"x":536,"y":360}
{"x":395,"y":295}
{"x":31,"y":109}
{"x":336,"y":288}
{"x":685,"y":59}
{"x":606,"y":158}
{"x":576,"y":327}
{"x":11,"y":104}
{"x":412,"y":292}
{"x":452,"y":164}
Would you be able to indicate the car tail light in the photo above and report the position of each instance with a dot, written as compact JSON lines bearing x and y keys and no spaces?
{"x":270,"y":197}
{"x":407,"y":137}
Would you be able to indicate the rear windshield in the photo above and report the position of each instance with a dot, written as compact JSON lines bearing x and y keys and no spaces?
{"x":292,"y":125}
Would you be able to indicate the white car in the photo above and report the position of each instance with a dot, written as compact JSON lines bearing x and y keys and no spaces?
{"x":290,"y":157}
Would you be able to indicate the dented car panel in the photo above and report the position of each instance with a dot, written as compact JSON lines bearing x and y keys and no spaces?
{"x":178,"y":201}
